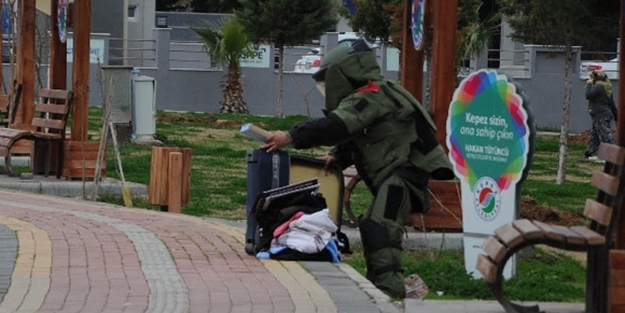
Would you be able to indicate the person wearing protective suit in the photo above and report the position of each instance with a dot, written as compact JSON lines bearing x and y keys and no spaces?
{"x":377,"y":125}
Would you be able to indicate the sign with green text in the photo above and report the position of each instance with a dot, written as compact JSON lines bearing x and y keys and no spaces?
{"x":488,"y":141}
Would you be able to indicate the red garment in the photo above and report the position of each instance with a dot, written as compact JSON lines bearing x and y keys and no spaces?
{"x":370,"y":87}
{"x":284,"y":226}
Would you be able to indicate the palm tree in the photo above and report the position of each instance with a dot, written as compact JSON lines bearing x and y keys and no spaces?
{"x":226,"y":43}
{"x":475,"y":35}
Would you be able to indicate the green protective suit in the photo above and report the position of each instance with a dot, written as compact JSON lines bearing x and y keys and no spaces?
{"x":378,"y":126}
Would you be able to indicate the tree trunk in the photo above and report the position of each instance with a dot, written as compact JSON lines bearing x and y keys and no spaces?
{"x":566,"y":114}
{"x":280,"y":82}
{"x":233,"y":93}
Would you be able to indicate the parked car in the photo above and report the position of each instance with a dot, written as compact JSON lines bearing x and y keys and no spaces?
{"x":609,"y":67}
{"x":310,"y":63}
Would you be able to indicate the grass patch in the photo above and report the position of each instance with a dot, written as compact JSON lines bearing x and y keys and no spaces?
{"x":543,"y":277}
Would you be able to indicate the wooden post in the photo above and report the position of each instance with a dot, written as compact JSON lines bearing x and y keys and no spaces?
{"x":443,"y":13}
{"x":174,"y":183}
{"x":80,"y":158}
{"x":616,"y":289}
{"x":159,"y":176}
{"x":26,"y":62}
{"x":443,"y":63}
{"x":80,"y":77}
{"x":58,"y":52}
{"x":620,"y":135}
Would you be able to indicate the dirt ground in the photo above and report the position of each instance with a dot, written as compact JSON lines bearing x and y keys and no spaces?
{"x":531,"y":209}
{"x":581,"y":137}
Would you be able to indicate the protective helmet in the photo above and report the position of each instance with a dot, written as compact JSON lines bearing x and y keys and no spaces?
{"x":345,"y":69}
{"x":337,"y":54}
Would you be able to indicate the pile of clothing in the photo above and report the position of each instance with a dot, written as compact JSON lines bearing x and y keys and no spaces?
{"x":299,"y":228}
{"x":304,"y":237}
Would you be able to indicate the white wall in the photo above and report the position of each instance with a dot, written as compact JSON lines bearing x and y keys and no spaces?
{"x":139,"y":27}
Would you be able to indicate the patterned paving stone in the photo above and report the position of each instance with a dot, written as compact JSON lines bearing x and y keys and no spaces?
{"x":8,"y":254}
{"x":30,"y":278}
{"x":172,"y":254}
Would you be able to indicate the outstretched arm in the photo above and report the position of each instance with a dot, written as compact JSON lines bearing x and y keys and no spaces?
{"x":327,"y":131}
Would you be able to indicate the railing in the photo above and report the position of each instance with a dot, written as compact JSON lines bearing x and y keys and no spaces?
{"x":190,"y":55}
{"x":598,"y":55}
{"x":135,"y":52}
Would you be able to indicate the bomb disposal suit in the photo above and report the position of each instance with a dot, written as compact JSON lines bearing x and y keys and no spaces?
{"x":382,"y":129}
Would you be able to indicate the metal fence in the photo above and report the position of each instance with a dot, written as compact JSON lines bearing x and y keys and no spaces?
{"x":136,"y":52}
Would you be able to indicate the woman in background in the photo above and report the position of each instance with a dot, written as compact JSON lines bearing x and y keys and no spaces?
{"x":600,"y":104}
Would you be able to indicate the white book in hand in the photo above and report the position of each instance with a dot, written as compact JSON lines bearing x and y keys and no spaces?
{"x":254,"y":131}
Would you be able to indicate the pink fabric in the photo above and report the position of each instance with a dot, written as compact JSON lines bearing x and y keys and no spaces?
{"x":284,"y":226}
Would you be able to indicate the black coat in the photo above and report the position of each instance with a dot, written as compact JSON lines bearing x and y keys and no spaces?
{"x":598,"y":102}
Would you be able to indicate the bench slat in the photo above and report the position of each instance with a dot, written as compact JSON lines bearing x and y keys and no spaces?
{"x":8,"y":141}
{"x":10,"y":132}
{"x":572,"y":237}
{"x":494,"y":249}
{"x":55,"y":93}
{"x":4,"y":151}
{"x":45,"y":123}
{"x":604,"y":182}
{"x":527,"y":229}
{"x":612,"y":153}
{"x":52,"y":108}
{"x":598,"y":212}
{"x":5,"y":142}
{"x":550,"y":232}
{"x":487,"y":268}
{"x":47,"y":136}
{"x":592,"y":238}
{"x":509,"y":235}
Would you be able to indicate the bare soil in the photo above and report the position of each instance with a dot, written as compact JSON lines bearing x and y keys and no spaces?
{"x":173,"y":117}
{"x":531,"y":209}
{"x":581,"y":137}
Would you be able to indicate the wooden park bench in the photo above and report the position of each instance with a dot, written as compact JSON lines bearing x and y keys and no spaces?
{"x":48,"y":127}
{"x":596,"y":239}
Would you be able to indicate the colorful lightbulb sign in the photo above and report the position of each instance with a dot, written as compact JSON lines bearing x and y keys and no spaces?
{"x":488,"y":140}
{"x":62,"y":20}
{"x":416,"y":23}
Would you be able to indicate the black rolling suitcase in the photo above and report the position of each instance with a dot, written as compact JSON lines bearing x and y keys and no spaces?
{"x":264,"y":171}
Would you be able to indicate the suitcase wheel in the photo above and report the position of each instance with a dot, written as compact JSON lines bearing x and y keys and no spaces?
{"x":249,"y":248}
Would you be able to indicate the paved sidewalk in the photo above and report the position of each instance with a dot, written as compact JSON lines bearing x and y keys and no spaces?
{"x":67,"y":255}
